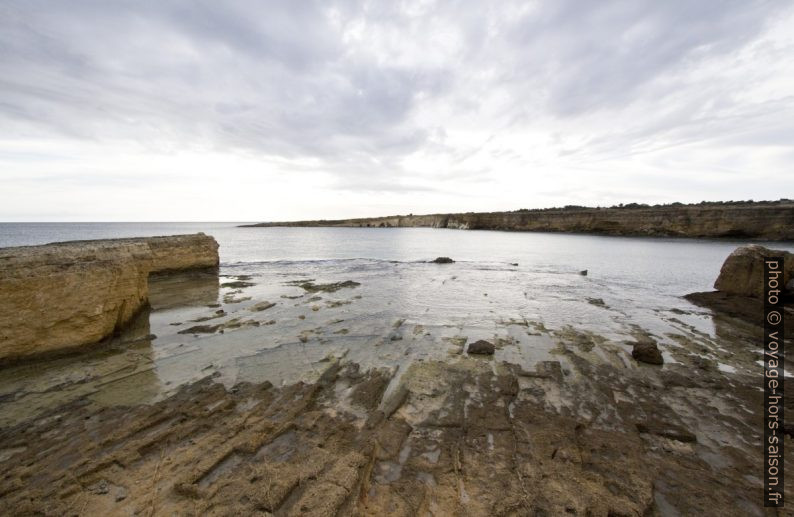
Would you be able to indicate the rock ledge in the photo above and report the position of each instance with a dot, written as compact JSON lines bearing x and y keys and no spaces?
{"x":65,"y":295}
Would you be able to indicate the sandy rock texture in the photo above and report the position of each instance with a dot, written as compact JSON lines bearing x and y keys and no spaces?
{"x":742,"y":272}
{"x":770,"y":221}
{"x":65,"y":295}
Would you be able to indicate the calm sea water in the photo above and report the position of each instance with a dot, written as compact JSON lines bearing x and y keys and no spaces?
{"x":520,"y":290}
{"x":673,"y":266}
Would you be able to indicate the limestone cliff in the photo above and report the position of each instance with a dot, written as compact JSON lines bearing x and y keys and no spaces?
{"x":65,"y":295}
{"x":768,"y":221}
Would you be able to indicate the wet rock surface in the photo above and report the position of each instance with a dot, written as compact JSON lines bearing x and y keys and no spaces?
{"x":442,"y":438}
{"x":310,"y":407}
{"x":311,"y":287}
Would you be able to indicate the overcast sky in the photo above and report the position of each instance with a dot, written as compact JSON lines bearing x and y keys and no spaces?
{"x":249,"y":111}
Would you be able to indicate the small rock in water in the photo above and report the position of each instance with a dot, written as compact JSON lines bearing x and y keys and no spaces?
{"x":237,"y":284}
{"x":647,"y":352}
{"x":443,"y":260}
{"x":481,"y":347}
{"x":583,"y":272}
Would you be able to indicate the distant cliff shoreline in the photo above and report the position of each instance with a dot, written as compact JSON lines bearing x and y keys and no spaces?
{"x":773,"y":221}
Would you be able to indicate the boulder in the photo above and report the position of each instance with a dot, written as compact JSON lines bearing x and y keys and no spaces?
{"x":647,"y":352}
{"x":481,"y":347}
{"x":743,"y":271}
{"x":442,"y":260}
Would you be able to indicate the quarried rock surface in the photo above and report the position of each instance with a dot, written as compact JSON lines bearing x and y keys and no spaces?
{"x":66,"y":295}
{"x":464,"y":438}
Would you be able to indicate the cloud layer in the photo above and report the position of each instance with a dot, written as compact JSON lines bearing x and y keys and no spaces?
{"x":331,"y":109}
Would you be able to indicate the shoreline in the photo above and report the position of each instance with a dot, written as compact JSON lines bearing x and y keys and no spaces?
{"x":762,"y":221}
{"x":289,"y":391}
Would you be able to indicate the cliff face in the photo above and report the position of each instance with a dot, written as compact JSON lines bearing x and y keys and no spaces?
{"x":759,"y":221}
{"x":65,"y":295}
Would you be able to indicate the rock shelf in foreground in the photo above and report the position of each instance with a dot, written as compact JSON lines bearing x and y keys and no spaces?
{"x":66,"y":295}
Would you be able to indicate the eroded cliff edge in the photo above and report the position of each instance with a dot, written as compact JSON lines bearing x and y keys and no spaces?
{"x":762,"y":220}
{"x":61,"y":296}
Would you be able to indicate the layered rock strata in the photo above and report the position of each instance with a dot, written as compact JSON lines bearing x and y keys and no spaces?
{"x":61,"y":296}
{"x":768,"y":221}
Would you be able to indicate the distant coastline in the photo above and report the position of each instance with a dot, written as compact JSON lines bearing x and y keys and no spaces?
{"x":755,"y":220}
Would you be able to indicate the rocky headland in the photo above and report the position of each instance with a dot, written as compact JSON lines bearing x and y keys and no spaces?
{"x":62,"y":296}
{"x":762,"y":220}
{"x":739,"y":286}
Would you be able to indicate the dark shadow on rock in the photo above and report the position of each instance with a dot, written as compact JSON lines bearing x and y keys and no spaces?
{"x":183,"y":289}
{"x":745,"y":308}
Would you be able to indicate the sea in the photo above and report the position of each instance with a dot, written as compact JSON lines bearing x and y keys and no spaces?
{"x":524,"y":291}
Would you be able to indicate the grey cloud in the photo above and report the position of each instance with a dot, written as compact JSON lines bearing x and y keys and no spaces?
{"x":278,"y":78}
{"x":595,"y":55}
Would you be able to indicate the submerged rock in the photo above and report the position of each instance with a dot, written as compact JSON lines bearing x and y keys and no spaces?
{"x":237,"y":284}
{"x":442,"y":260}
{"x":647,"y":352}
{"x":311,"y":287}
{"x":201,"y":329}
{"x":261,"y":306}
{"x":481,"y":347}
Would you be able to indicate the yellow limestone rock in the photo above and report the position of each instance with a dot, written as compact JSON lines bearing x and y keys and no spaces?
{"x":66,"y":295}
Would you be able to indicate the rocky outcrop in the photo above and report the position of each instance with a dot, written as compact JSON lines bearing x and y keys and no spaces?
{"x":740,"y":285}
{"x":762,"y":220}
{"x":61,"y":296}
{"x":742,"y":272}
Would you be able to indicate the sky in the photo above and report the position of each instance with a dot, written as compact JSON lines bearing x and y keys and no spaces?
{"x":175,"y":110}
